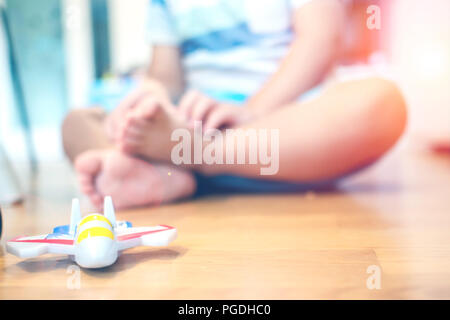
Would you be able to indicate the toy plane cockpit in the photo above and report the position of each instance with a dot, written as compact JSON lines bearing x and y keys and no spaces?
{"x":94,"y":241}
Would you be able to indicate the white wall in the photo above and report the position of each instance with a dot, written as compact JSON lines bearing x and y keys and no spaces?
{"x":420,"y":53}
{"x":129,"y":47}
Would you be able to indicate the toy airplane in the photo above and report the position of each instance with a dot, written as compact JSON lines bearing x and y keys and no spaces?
{"x":93,"y":241}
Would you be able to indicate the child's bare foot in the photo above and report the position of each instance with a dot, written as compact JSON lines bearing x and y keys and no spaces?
{"x":147,"y":129}
{"x":130,"y":181}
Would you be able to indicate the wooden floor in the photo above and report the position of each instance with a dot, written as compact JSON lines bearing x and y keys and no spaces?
{"x":395,"y":216}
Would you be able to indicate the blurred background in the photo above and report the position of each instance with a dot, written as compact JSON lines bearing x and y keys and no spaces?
{"x":56,"y":55}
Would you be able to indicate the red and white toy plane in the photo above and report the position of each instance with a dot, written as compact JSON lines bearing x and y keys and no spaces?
{"x":94,"y":241}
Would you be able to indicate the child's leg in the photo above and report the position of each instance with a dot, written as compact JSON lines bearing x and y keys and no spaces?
{"x":83,"y":130}
{"x":350,"y":125}
{"x":101,"y":170}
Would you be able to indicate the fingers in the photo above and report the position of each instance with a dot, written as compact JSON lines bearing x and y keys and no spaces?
{"x":187,"y":102}
{"x":195,"y":106}
{"x":218,"y":118}
{"x":203,"y":106}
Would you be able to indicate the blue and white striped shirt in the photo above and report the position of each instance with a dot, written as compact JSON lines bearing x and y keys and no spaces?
{"x":227,"y":45}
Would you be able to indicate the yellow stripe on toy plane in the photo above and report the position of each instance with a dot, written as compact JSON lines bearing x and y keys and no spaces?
{"x":95,"y":232}
{"x":94,"y":217}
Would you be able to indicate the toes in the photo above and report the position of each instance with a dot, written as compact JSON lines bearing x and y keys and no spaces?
{"x":88,"y":165}
{"x":132,"y":126}
{"x":148,"y":109}
{"x":129,"y":145}
{"x":131,"y":137}
{"x":85,"y":184}
{"x":96,"y":200}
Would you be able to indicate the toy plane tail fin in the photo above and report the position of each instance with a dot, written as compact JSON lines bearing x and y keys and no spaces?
{"x":108,"y":210}
{"x":75,"y":216}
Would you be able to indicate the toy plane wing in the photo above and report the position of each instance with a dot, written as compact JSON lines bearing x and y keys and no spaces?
{"x":156,"y":236}
{"x":30,"y":247}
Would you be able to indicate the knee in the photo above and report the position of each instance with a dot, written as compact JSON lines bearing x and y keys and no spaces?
{"x":75,"y":116}
{"x":392,"y":107}
{"x":387,"y":111}
{"x":76,"y":122}
{"x":76,"y":119}
{"x":73,"y":120}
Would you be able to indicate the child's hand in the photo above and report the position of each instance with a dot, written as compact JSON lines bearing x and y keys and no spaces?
{"x":195,"y":106}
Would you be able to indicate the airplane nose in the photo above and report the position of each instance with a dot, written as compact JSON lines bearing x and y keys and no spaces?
{"x":96,"y":252}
